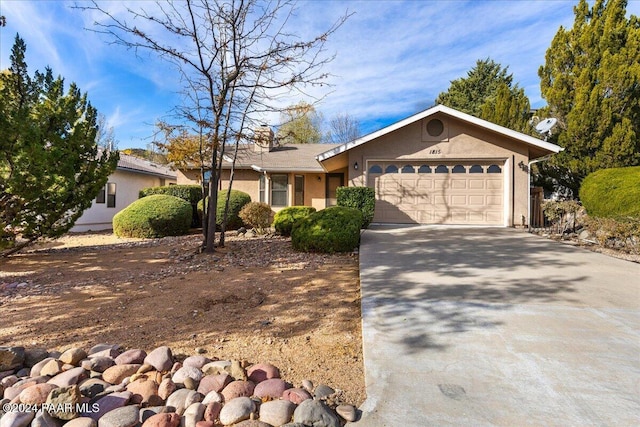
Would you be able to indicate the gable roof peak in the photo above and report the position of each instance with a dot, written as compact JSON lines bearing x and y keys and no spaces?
{"x":527,"y":139}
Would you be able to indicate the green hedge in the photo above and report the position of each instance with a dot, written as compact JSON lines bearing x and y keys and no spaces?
{"x":334,"y":229}
{"x":361,"y":198}
{"x":236,"y":202}
{"x":190,"y":193}
{"x":612,"y":193}
{"x":285,"y":218}
{"x":157,"y":215}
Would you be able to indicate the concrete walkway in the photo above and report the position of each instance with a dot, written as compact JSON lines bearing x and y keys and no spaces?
{"x":496,"y":327}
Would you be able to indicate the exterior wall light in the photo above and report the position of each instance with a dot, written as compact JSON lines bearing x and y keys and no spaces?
{"x":355,"y":165}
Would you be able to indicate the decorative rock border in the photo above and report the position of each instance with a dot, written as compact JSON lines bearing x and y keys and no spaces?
{"x":108,"y":387}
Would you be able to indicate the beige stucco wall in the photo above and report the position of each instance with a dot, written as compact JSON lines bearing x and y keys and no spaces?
{"x":248,"y":181}
{"x":461,"y":141}
{"x":128,"y":185}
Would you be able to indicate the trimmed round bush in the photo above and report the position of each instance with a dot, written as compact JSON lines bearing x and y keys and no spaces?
{"x":256,"y":215}
{"x":153,"y":216}
{"x":612,"y":193}
{"x":284,"y":219}
{"x":334,"y":229}
{"x":190,"y":193}
{"x":236,"y":202}
{"x":361,"y":198}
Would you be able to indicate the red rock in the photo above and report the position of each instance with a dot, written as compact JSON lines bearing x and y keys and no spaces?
{"x":196,"y":361}
{"x":212,"y":411}
{"x":133,"y":356}
{"x":160,"y":358}
{"x":262,"y":371}
{"x":145,"y":391}
{"x":73,"y":356}
{"x":272,"y":388}
{"x":296,"y":395}
{"x":163,"y":420}
{"x":205,"y":424}
{"x":214,"y":383}
{"x":166,"y":388}
{"x":70,"y":377}
{"x":52,"y":367}
{"x":117,"y":373}
{"x":36,"y":394}
{"x":237,"y":389}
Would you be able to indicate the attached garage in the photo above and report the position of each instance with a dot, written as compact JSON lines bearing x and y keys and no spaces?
{"x":427,"y":192}
{"x":442,"y":166}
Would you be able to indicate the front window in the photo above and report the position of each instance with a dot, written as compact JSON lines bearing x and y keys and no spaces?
{"x":262,"y":188}
{"x":111,"y":194}
{"x":102,"y":196}
{"x":298,"y":199}
{"x":279,"y":184}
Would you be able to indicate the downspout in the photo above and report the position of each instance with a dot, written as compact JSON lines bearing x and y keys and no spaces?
{"x":541,"y":159}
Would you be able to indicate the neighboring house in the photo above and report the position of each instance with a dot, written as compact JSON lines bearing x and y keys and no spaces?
{"x":440,"y":166}
{"x":122,"y":188}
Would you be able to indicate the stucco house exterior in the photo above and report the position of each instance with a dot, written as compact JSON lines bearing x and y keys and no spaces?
{"x":123,"y":186}
{"x":439,"y":166}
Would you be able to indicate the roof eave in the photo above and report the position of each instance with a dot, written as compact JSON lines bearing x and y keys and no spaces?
{"x":133,"y":170}
{"x":440,"y":109}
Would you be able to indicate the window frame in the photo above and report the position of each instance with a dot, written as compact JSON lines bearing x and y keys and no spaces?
{"x":285,"y":190}
{"x":111,"y":194}
{"x":298,"y":190}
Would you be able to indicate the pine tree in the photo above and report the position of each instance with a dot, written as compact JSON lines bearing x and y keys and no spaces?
{"x":510,"y":108}
{"x":50,"y":167}
{"x":591,"y":81}
{"x":488,"y":92}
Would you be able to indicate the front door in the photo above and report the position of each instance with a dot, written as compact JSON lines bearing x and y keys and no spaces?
{"x":334,"y":180}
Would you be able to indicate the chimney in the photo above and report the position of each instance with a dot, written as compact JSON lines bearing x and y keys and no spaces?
{"x":263,"y":139}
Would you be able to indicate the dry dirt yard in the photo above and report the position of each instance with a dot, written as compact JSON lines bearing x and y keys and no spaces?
{"x":255,"y":299}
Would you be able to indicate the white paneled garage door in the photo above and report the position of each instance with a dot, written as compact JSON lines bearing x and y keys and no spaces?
{"x":438,"y":192}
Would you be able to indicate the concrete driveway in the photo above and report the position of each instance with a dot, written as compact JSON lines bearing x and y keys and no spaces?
{"x":496,"y":327}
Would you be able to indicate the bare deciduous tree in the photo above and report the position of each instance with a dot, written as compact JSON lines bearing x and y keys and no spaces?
{"x":236,"y":53}
{"x":343,"y":128}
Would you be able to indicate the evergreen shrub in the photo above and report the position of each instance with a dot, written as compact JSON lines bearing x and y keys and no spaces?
{"x":285,"y":218}
{"x":237,"y":200}
{"x":361,"y":198}
{"x":612,"y":193}
{"x":334,"y":229}
{"x":153,"y":216}
{"x":190,"y":193}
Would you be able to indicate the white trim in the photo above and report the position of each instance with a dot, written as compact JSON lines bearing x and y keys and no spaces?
{"x":451,"y":112}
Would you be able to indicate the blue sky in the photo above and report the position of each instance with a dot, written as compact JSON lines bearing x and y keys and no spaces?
{"x":392,"y":57}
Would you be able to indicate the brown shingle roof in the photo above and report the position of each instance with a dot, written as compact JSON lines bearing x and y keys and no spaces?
{"x":138,"y":165}
{"x":290,"y":158}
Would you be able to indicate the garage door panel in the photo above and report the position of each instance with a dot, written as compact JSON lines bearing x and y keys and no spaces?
{"x":494,"y":184}
{"x":440,"y":200}
{"x":459,"y":200}
{"x":476,"y":184}
{"x":477,"y":216}
{"x":494,"y":201}
{"x":446,"y":198}
{"x":424,"y":184}
{"x":459,"y":216}
{"x":459,"y":184}
{"x":494,"y":216}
